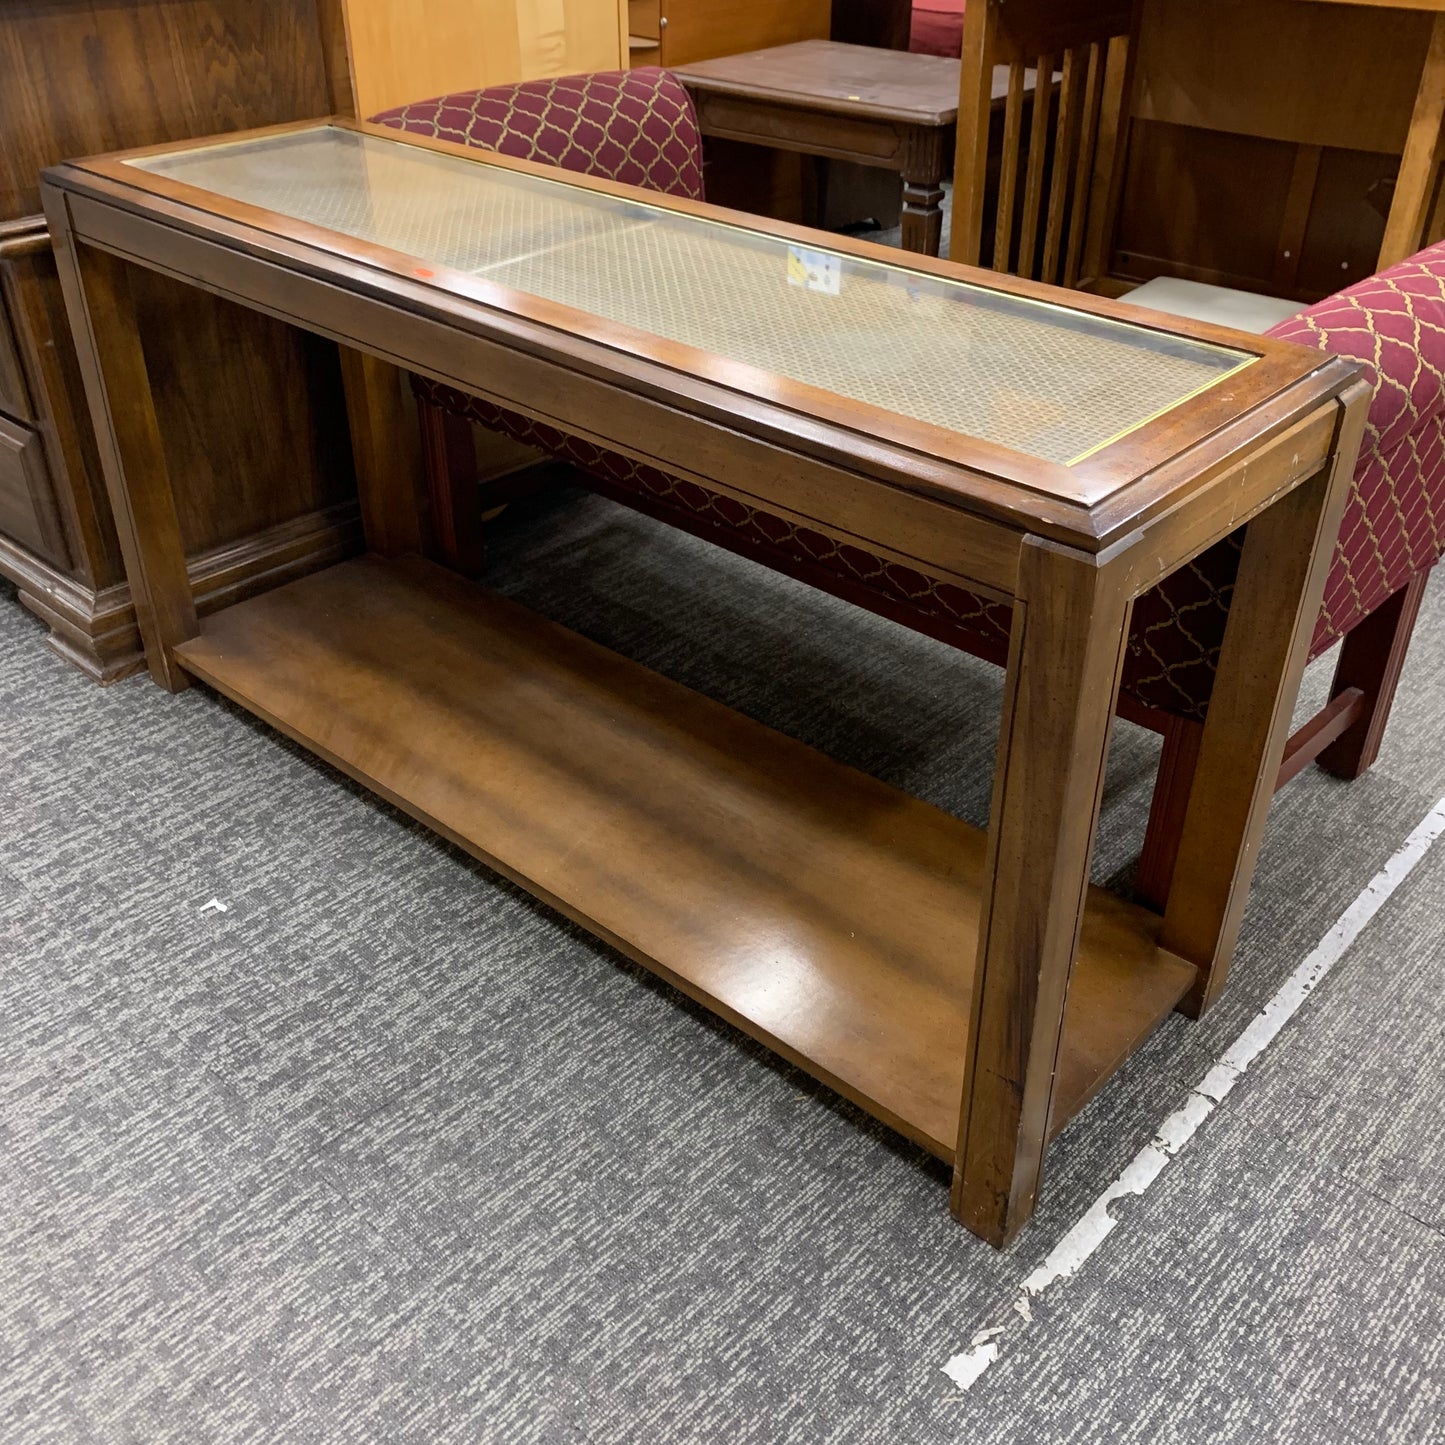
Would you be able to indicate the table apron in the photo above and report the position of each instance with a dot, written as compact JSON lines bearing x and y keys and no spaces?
{"x":790,"y":127}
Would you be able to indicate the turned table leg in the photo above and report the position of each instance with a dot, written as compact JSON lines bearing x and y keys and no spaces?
{"x":924,"y":155}
{"x":1065,"y":657}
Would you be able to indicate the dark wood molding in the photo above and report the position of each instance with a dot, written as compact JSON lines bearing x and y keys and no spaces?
{"x":96,"y":629}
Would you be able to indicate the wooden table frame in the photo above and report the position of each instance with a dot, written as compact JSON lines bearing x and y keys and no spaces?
{"x":1042,"y":1019}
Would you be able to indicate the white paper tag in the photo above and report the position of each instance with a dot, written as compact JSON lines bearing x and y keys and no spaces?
{"x":815,"y":270}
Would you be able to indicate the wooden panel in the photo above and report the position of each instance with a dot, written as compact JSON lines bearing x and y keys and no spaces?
{"x":884,"y":24}
{"x":27,"y":503}
{"x":1283,"y":70}
{"x":1215,"y":207}
{"x":251,"y":410}
{"x":402,"y":52}
{"x":89,"y":76}
{"x":1346,"y":225}
{"x":1206,"y":200}
{"x":14,"y":398}
{"x":700,"y":29}
{"x":819,"y":909}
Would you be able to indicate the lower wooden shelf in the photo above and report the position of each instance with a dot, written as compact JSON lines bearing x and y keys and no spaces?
{"x":822,"y":911}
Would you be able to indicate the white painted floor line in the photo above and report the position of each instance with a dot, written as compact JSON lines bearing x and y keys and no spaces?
{"x":1066,"y":1258}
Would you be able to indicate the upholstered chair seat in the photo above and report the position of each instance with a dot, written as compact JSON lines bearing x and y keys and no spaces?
{"x":634,"y":126}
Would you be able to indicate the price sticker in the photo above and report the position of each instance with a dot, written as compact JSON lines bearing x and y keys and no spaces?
{"x":815,"y":270}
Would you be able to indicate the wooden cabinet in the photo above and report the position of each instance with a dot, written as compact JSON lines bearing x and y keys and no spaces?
{"x":1284,"y":147}
{"x":678,"y":32}
{"x":405,"y":50}
{"x":79,"y":77}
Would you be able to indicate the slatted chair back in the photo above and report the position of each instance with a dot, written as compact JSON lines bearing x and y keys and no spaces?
{"x":1059,"y":140}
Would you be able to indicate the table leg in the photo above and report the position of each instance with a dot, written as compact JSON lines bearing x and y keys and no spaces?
{"x":386,"y":447}
{"x":1065,"y":657}
{"x":454,"y":488}
{"x":133,"y":459}
{"x":924,"y":155}
{"x":1287,"y":553}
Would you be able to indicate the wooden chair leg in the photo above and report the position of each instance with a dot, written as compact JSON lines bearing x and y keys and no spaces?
{"x":1371,"y":659}
{"x":449,"y":459}
{"x":1177,"y":762}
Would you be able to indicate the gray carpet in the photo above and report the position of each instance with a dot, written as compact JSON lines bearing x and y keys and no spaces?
{"x":388,"y":1152}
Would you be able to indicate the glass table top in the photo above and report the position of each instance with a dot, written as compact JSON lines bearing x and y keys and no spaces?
{"x":1032,"y":376}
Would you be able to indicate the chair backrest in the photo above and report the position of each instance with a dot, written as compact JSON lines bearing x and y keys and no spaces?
{"x":1058,"y":175}
{"x":635,"y":126}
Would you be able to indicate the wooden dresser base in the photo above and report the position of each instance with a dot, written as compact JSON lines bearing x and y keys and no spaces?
{"x":95,"y":629}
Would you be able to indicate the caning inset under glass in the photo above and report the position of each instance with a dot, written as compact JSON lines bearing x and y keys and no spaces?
{"x":1035,"y":377}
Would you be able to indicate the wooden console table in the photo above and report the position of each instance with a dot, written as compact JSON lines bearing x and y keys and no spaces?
{"x":971,"y":990}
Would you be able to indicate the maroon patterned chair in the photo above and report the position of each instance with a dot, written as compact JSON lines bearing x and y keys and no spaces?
{"x":1392,"y":535}
{"x":634,"y":126}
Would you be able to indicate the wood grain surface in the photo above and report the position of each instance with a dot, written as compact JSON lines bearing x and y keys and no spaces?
{"x":820,"y":910}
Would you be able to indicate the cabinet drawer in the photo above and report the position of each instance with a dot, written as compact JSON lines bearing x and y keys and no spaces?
{"x":14,"y":398}
{"x":642,"y":18}
{"x":27,"y":501}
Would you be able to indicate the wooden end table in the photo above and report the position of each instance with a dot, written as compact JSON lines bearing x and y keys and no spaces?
{"x":1049,"y":451}
{"x":885,"y":108}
